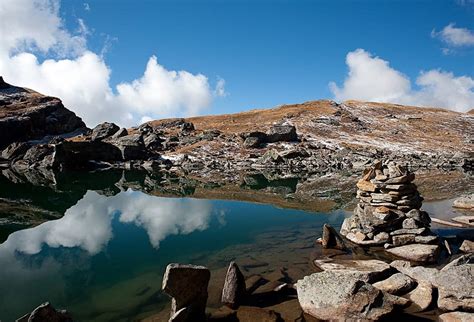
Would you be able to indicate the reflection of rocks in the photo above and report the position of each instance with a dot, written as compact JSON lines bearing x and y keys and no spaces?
{"x":187,"y":285}
{"x":46,"y":313}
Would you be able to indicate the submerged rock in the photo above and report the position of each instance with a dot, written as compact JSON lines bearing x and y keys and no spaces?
{"x":336,"y":295}
{"x":234,"y":289}
{"x":187,"y":285}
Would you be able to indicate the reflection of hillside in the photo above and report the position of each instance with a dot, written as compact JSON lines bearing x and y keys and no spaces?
{"x":36,"y":196}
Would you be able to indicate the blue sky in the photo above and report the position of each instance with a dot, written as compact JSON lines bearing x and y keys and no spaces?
{"x":276,"y":52}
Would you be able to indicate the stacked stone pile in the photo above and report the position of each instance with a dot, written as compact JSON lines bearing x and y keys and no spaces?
{"x":388,"y":212}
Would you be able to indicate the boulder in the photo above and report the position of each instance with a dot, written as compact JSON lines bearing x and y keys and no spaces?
{"x":252,"y":142}
{"x":467,"y":220}
{"x":366,"y":270}
{"x":234,"y":289}
{"x":46,"y":313}
{"x":187,"y":285}
{"x":132,"y":147}
{"x":333,"y":295}
{"x":331,"y":238}
{"x":396,"y":284}
{"x":104,"y":130}
{"x":120,"y":133}
{"x":464,"y":202}
{"x":421,"y":298}
{"x":456,"y":317}
{"x":416,"y":252}
{"x":15,"y":150}
{"x":279,"y":133}
{"x":467,"y":246}
{"x":455,"y":288}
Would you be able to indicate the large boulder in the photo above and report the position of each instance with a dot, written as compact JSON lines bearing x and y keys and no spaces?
{"x":103,"y":131}
{"x":285,"y":133}
{"x":187,"y":285}
{"x":234,"y":289}
{"x":416,"y":252}
{"x":334,"y":295}
{"x":27,"y":115}
{"x":132,"y":147}
{"x":456,"y":288}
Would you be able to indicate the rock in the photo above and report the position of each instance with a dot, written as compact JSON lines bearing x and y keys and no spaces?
{"x":465,"y":202}
{"x":467,"y":220}
{"x":29,"y":115}
{"x":455,"y":288}
{"x":40,"y":155}
{"x":16,"y":150}
{"x":251,"y":314}
{"x":467,"y":246}
{"x":366,"y":186}
{"x":400,"y":240}
{"x":420,"y":216}
{"x":331,"y":238}
{"x":120,"y":133}
{"x":366,"y":270}
{"x":271,"y":156}
{"x":456,"y":317}
{"x":187,"y":284}
{"x":465,"y":259}
{"x":421,"y":298}
{"x":132,"y":147}
{"x":334,"y":295}
{"x":234,"y":289}
{"x":79,"y":154}
{"x":416,"y":252}
{"x":279,"y":133}
{"x":428,"y":239}
{"x":404,"y":231}
{"x":396,"y":284}
{"x":153,"y":142}
{"x":410,"y":223}
{"x":382,"y":237}
{"x":46,"y":313}
{"x":252,"y":142}
{"x":418,"y":273}
{"x":104,"y":130}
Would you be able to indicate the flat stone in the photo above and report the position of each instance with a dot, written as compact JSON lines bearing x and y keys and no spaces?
{"x":396,"y":284}
{"x":416,"y":252}
{"x":465,"y":202}
{"x":467,"y":220}
{"x":418,"y":273}
{"x":352,"y":237}
{"x":416,"y":231}
{"x":402,"y":179}
{"x":382,"y":237}
{"x":366,"y":270}
{"x":400,"y":240}
{"x":421,"y":298}
{"x":467,"y":246}
{"x":234,"y":289}
{"x":366,"y":185}
{"x":456,"y":317}
{"x":464,"y":259}
{"x":428,"y":239}
{"x":334,"y":295}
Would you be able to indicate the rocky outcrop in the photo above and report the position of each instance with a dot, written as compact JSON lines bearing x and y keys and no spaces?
{"x":187,"y":285}
{"x":27,"y":115}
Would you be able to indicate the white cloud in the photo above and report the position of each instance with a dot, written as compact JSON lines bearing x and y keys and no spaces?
{"x":83,"y":80}
{"x":373,"y":79}
{"x":455,"y":36}
{"x":220,"y":88}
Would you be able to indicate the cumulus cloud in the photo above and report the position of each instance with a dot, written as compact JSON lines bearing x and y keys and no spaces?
{"x":371,"y":78}
{"x":454,"y":36}
{"x":81,"y":78}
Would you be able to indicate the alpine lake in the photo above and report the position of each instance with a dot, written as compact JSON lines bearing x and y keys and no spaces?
{"x":97,"y":244}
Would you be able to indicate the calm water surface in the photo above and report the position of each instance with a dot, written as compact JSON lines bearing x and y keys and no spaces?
{"x":105,"y":258}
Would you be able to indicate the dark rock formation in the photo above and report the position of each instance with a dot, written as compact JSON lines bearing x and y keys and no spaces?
{"x":27,"y":115}
{"x":104,"y":130}
{"x":187,"y":285}
{"x":279,"y":133}
{"x":234,"y":289}
{"x":46,"y":313}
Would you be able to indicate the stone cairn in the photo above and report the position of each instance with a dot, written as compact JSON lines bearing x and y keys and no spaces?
{"x":388,"y":212}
